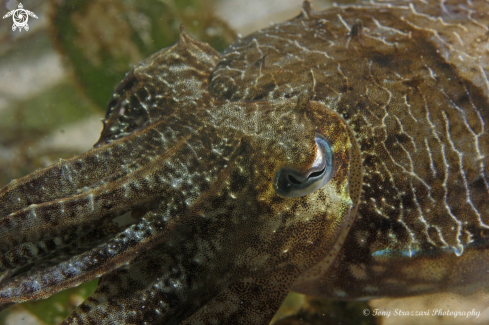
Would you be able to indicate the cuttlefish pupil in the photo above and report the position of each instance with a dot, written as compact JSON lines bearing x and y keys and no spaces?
{"x":291,"y":183}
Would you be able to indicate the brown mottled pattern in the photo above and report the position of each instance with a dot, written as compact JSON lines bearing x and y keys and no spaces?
{"x":410,"y":80}
{"x":192,"y":141}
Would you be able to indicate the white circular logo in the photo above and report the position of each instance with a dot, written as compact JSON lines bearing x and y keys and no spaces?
{"x":20,"y":17}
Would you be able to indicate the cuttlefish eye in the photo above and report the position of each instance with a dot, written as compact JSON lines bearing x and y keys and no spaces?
{"x":289,"y":182}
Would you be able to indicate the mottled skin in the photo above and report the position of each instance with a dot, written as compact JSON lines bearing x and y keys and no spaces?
{"x":193,"y":139}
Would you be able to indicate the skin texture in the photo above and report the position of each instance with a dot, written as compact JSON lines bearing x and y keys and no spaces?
{"x":192,"y":142}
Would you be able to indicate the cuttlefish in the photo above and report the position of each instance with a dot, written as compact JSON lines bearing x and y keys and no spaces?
{"x":340,"y":154}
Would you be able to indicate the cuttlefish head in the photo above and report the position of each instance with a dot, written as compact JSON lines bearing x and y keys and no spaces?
{"x":223,"y":195}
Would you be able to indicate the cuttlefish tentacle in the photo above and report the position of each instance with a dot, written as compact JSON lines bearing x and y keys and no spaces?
{"x":82,"y":176}
{"x":82,"y":211}
{"x":41,"y":282}
{"x":156,"y":184}
{"x":36,"y":255}
{"x":69,"y":176}
{"x":29,"y":252}
{"x":161,"y":85}
{"x":76,"y":181}
{"x":153,"y":141}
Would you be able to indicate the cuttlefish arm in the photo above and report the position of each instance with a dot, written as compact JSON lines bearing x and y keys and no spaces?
{"x":204,"y":175}
{"x":54,"y":220}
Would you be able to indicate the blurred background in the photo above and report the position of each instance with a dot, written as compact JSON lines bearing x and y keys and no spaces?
{"x":57,"y":77}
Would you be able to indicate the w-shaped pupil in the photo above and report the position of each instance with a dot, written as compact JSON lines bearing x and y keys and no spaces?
{"x":293,"y":180}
